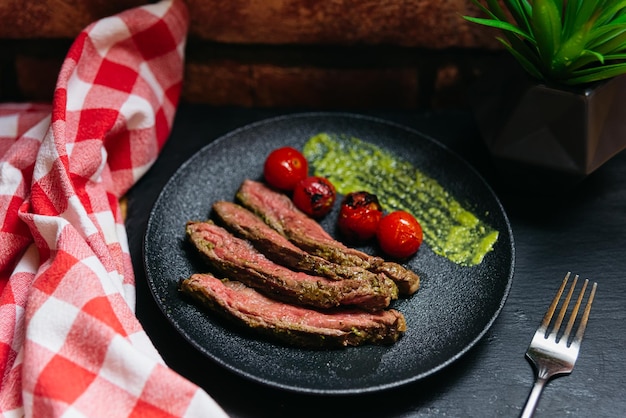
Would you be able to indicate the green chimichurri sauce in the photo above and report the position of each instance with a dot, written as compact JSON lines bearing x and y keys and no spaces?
{"x":449,"y":229}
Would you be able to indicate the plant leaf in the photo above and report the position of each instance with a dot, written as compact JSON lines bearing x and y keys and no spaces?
{"x":569,"y":17}
{"x":521,"y":11}
{"x":505,"y":26}
{"x":608,"y":38}
{"x":596,"y":74}
{"x":546,"y":25}
{"x":598,"y":56}
{"x":588,"y":12}
{"x":494,"y":7}
{"x":559,"y":4}
{"x":613,"y":57}
{"x":611,"y":11}
{"x":571,"y":49}
{"x":607,"y":68}
{"x":586,"y":58}
{"x":497,"y":15}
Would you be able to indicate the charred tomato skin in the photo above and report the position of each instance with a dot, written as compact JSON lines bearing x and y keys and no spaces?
{"x":359,"y":216}
{"x":399,"y":234}
{"x":314,"y":196}
{"x":284,"y":167}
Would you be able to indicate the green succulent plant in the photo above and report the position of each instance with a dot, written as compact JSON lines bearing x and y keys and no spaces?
{"x":570,"y":42}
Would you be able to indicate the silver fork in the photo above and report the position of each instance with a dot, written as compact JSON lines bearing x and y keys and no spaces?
{"x":554,"y":354}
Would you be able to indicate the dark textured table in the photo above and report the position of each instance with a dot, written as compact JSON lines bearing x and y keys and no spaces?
{"x":582,"y":230}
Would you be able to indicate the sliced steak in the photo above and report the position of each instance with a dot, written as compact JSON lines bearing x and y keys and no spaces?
{"x":237,"y":259}
{"x":294,"y":325}
{"x":279,"y":249}
{"x":407,"y":281}
{"x":279,"y":212}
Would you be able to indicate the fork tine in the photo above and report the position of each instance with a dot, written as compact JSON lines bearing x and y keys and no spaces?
{"x":548,"y":316}
{"x":574,"y":314}
{"x":564,"y":306}
{"x":583,"y":322}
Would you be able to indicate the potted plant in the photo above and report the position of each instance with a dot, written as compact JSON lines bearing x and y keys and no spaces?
{"x":559,"y":112}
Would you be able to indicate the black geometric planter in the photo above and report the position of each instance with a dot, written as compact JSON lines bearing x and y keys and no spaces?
{"x":544,"y":138}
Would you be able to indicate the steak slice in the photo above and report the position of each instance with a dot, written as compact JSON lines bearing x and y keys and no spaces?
{"x":279,"y":212}
{"x":279,"y":249}
{"x":294,"y":325}
{"x":238,"y":259}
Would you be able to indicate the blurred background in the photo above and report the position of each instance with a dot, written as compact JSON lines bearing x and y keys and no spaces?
{"x":375,"y":54}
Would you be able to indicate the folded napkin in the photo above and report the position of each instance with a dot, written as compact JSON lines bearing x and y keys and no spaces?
{"x":70,"y":343}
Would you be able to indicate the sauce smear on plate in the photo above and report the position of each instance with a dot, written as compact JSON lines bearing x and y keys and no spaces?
{"x":450,"y":230}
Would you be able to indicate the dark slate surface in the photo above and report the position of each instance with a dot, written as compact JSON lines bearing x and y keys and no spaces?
{"x":581,"y":230}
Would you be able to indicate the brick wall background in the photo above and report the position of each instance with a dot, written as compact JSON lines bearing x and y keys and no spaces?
{"x":276,"y":53}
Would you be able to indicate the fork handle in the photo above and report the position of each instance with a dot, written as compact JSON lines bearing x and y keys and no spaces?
{"x":533,"y":398}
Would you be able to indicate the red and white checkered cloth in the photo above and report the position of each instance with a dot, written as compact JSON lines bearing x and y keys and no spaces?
{"x":70,"y":343}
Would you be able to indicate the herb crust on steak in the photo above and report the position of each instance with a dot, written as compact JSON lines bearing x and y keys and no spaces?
{"x":245,"y":224}
{"x":236,"y":258}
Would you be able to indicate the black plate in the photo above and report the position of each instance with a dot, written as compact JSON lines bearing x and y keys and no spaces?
{"x":453,"y":309}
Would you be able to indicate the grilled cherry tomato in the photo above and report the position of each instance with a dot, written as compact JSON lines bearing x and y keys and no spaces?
{"x":359,"y":216}
{"x":399,"y":234}
{"x":314,"y":196}
{"x":285,"y":167}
